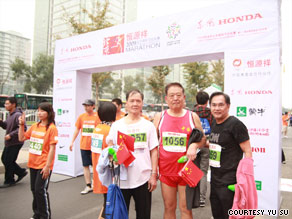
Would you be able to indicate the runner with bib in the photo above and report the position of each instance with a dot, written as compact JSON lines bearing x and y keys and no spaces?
{"x":43,"y":137}
{"x":174,"y":127}
{"x":229,"y":140}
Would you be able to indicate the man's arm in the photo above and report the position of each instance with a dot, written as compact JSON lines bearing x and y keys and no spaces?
{"x":192,"y":150}
{"x":76,"y":132}
{"x":246,"y":148}
{"x":3,"y":124}
{"x":152,"y":183}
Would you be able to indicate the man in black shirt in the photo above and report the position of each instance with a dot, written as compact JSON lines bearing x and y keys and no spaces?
{"x":229,"y":140}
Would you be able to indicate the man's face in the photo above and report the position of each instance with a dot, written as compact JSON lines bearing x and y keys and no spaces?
{"x":175,"y":98}
{"x":134,"y":103}
{"x":219,"y":108}
{"x":89,"y":108}
{"x":9,"y":106}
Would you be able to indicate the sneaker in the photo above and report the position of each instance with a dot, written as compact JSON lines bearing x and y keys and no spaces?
{"x":86,"y":190}
{"x":21,"y":177}
{"x":202,"y":203}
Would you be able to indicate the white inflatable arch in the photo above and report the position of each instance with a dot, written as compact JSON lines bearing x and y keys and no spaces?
{"x":245,"y":33}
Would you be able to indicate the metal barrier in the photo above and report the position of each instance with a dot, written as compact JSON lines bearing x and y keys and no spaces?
{"x":30,"y":115}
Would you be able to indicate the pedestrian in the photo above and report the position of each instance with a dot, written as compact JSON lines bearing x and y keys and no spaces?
{"x":43,"y":137}
{"x":174,"y":127}
{"x":285,"y":120}
{"x":206,"y":118}
{"x":229,"y":140}
{"x":12,"y":144}
{"x":86,"y":122}
{"x":119,"y":104}
{"x":142,"y":173}
{"x":107,"y":115}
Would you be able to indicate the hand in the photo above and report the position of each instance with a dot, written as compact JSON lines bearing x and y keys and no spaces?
{"x":152,"y":183}
{"x":192,"y":151}
{"x":21,"y":119}
{"x":46,"y":172}
{"x":71,"y":147}
{"x":7,"y":137}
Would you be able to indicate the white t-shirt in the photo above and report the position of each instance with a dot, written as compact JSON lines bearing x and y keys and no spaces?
{"x":146,"y":139}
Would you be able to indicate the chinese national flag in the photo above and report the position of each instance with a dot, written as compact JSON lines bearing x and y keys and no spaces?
{"x":128,"y":140}
{"x":124,"y":156}
{"x":191,"y":174}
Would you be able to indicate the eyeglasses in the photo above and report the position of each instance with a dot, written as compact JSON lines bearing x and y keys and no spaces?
{"x":172,"y":96}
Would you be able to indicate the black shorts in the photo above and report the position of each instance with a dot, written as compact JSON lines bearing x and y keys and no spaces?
{"x":86,"y":158}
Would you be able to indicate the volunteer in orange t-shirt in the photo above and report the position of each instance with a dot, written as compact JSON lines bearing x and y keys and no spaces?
{"x":107,"y":115}
{"x":43,"y":139}
{"x":285,"y":119}
{"x":86,"y":122}
{"x":118,"y":103}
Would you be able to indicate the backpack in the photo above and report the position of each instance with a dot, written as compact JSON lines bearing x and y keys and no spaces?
{"x":115,"y":204}
{"x":206,"y":126}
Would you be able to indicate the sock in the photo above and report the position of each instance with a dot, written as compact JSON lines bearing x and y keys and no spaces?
{"x":89,"y":185}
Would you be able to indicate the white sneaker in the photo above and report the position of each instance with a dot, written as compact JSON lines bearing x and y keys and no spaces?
{"x":86,"y":190}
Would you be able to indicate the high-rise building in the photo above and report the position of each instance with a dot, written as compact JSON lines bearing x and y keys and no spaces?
{"x":12,"y":45}
{"x":51,"y":23}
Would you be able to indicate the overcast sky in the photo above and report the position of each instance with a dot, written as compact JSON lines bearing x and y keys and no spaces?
{"x":18,"y":15}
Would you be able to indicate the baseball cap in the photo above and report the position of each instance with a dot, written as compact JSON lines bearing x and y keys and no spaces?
{"x":89,"y":102}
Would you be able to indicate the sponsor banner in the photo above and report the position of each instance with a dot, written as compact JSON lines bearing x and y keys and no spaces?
{"x":191,"y":33}
{"x":252,"y":81}
{"x":67,"y":107}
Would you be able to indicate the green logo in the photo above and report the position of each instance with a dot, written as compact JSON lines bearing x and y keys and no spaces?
{"x":62,"y":157}
{"x":241,"y":111}
{"x":59,"y":112}
{"x":258,"y":185}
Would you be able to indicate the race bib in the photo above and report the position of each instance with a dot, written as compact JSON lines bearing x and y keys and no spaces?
{"x":140,"y":140}
{"x":36,"y":145}
{"x":215,"y":155}
{"x":87,"y":130}
{"x":96,"y":143}
{"x":174,"y":142}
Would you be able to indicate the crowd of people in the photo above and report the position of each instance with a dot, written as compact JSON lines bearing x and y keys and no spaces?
{"x":158,"y":146}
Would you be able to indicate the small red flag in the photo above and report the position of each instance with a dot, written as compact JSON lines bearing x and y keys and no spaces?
{"x":124,"y":156}
{"x":191,"y":174}
{"x":128,"y":140}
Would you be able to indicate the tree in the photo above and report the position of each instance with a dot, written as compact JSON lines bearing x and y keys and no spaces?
{"x":218,"y":73}
{"x":97,"y":20}
{"x":3,"y":81}
{"x":157,"y":80}
{"x":38,"y":76}
{"x":197,"y":77}
{"x":131,"y":83}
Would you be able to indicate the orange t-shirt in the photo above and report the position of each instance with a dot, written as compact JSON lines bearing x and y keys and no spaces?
{"x":98,"y":143}
{"x":285,"y":119}
{"x":121,"y":115}
{"x":87,"y":124}
{"x":39,"y":147}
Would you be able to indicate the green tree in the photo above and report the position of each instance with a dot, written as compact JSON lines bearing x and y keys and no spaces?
{"x":197,"y":78}
{"x":129,"y":84}
{"x":38,"y":76}
{"x":3,"y":80}
{"x":98,"y":20}
{"x":157,"y":81}
{"x":218,"y":73}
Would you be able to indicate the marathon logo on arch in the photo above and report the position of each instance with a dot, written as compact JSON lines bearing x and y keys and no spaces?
{"x":62,"y":112}
{"x":63,"y":83}
{"x":251,"y":92}
{"x":265,"y":132}
{"x":63,"y":124}
{"x":62,"y":135}
{"x":173,"y":31}
{"x":114,"y":44}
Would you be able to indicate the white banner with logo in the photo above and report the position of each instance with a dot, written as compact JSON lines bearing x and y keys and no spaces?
{"x":171,"y":39}
{"x":70,"y":90}
{"x":252,"y":79}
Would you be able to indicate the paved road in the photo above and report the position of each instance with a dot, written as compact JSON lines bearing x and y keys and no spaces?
{"x":67,"y":203}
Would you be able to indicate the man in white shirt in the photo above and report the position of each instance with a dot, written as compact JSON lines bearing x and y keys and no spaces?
{"x":142,"y":173}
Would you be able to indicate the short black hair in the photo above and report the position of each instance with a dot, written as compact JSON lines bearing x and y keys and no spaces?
{"x":12,"y":100}
{"x":202,"y":97}
{"x":118,"y":101}
{"x":227,"y":98}
{"x":134,"y":91}
{"x":173,"y":84}
{"x":107,"y":112}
